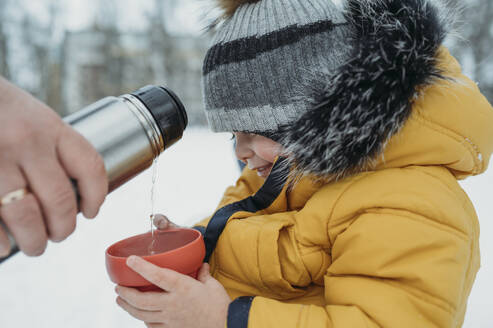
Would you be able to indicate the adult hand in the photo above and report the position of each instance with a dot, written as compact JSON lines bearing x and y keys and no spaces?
{"x":184,"y":303}
{"x":41,"y":153}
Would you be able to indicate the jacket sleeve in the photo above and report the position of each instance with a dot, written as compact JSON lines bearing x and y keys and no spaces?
{"x":390,"y":268}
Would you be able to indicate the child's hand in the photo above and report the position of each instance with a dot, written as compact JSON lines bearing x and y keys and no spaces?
{"x":185,"y":302}
{"x":162,"y":222}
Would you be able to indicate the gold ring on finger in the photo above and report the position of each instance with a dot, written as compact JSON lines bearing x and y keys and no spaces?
{"x":13,"y":196}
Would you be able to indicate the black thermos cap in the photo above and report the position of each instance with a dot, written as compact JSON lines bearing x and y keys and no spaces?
{"x":167,"y":110}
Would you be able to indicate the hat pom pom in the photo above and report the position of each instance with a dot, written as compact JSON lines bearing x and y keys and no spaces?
{"x":229,"y":6}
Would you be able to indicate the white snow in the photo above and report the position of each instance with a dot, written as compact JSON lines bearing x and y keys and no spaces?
{"x":68,"y":285}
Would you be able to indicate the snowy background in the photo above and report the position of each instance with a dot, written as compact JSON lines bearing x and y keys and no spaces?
{"x":68,"y":286}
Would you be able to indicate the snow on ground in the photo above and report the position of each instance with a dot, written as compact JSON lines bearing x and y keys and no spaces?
{"x":68,"y":286}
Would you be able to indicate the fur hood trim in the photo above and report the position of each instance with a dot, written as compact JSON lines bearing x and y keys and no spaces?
{"x":356,"y":110}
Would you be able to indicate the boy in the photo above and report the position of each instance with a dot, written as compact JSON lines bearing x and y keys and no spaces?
{"x":356,"y":126}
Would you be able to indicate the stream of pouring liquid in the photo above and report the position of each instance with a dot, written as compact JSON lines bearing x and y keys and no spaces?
{"x":153,"y":200}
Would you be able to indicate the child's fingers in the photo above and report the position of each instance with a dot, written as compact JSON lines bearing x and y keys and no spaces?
{"x":166,"y":279}
{"x":147,"y":316}
{"x":162,"y":222}
{"x":148,"y":301}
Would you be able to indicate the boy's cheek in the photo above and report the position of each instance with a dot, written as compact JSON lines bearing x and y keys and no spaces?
{"x":271,"y":152}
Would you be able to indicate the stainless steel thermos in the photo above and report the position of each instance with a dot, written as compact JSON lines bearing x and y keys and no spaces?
{"x":129,"y":132}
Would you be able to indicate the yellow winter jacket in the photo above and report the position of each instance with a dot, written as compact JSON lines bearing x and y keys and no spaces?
{"x":396,"y":246}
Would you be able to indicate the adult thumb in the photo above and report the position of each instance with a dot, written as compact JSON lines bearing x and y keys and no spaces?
{"x":204,"y":273}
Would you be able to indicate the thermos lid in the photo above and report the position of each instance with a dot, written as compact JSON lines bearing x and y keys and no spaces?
{"x":167,"y":110}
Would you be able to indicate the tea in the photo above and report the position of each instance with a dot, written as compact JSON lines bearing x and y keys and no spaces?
{"x":153,"y":200}
{"x":163,"y":241}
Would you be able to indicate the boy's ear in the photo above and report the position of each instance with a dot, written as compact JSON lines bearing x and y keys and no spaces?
{"x":229,"y":6}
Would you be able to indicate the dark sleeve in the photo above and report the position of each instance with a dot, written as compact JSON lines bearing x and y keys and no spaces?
{"x":239,"y":311}
{"x":201,"y":229}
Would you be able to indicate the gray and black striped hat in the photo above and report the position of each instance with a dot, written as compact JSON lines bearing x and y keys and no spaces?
{"x":258,"y":57}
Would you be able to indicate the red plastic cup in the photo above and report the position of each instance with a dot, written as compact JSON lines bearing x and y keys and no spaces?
{"x":178,"y":249}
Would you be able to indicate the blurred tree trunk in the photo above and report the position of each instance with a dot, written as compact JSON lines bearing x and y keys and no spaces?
{"x":53,"y":70}
{"x":109,"y":79}
{"x":160,"y":40}
{"x":476,"y":30}
{"x":4,"y":42}
{"x":44,"y":55}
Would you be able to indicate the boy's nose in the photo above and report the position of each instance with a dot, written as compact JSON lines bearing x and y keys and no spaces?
{"x":242,"y":150}
{"x":243,"y":153}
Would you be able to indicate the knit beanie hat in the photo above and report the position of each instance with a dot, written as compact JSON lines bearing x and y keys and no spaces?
{"x":259,"y":56}
{"x":331,"y":83}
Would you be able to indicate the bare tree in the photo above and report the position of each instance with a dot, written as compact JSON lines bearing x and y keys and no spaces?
{"x":44,"y":54}
{"x":477,"y":40}
{"x":106,"y":77}
{"x":4,"y":41}
{"x":53,"y":69}
{"x":160,"y":40}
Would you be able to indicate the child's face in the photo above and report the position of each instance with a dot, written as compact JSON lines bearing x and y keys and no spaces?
{"x":256,"y":151}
